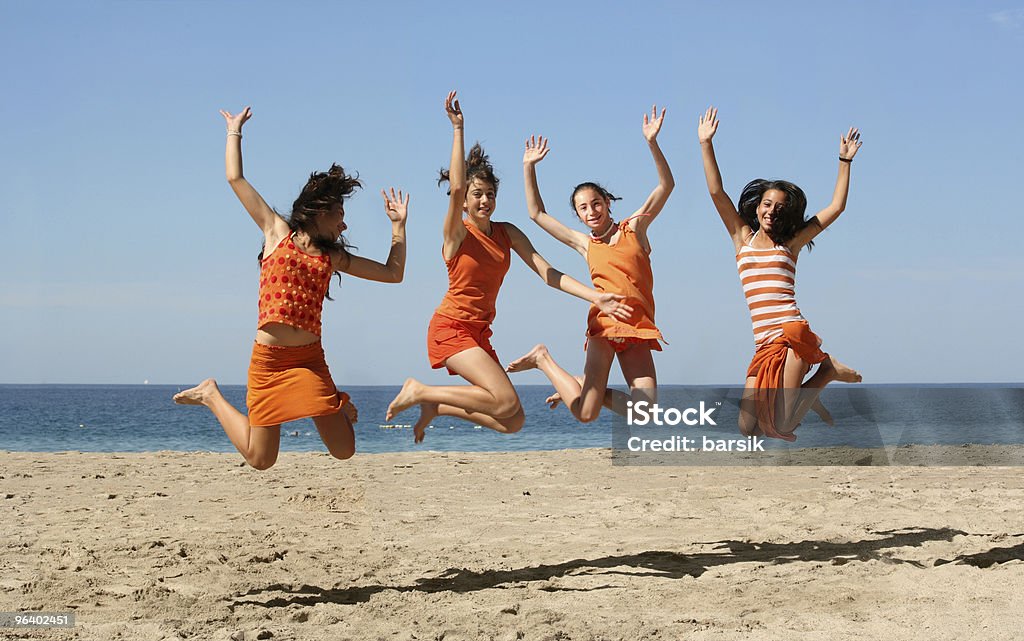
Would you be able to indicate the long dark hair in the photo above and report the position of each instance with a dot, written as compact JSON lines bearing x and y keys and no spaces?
{"x":790,"y":219}
{"x":478,"y":166}
{"x":607,"y":195}
{"x":323,"y":190}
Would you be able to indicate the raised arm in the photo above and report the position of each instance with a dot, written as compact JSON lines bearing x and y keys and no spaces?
{"x":396,"y":207}
{"x":258,"y":208}
{"x":726,"y":210}
{"x":666,"y":183}
{"x":536,"y":149}
{"x":610,"y":304}
{"x":454,"y":230}
{"x":848,"y":146}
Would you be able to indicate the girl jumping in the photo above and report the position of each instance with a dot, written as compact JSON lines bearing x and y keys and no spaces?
{"x":619,"y":257}
{"x":768,"y":231}
{"x":477,"y":252}
{"x":288,"y":376}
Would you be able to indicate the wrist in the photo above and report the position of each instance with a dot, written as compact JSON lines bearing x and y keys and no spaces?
{"x":846,"y":160}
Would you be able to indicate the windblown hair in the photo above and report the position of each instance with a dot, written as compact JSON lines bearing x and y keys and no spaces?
{"x":790,"y":219}
{"x":478,"y":166}
{"x":323,"y":190}
{"x":607,"y":195}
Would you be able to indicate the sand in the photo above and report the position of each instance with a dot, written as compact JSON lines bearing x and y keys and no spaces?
{"x":542,"y":545}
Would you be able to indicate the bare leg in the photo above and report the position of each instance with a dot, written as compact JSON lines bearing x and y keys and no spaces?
{"x":337,"y":434}
{"x":748,"y":409}
{"x":584,"y":399}
{"x":637,"y":365}
{"x":830,"y":370}
{"x":493,"y":395}
{"x":258,"y":445}
{"x":490,"y":400}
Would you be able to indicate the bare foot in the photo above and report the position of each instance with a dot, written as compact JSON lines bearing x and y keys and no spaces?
{"x":197,"y":395}
{"x":823,"y":413}
{"x":554,"y":400}
{"x":530,"y":360}
{"x":843,"y":373}
{"x":428,"y":412}
{"x":406,"y":398}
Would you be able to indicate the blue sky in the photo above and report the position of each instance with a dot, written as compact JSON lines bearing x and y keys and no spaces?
{"x":127,"y":257}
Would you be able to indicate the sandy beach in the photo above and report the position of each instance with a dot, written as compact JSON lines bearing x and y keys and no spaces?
{"x":542,"y":545}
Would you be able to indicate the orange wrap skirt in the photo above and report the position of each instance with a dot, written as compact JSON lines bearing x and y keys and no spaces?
{"x":768,"y":364}
{"x":289,"y":383}
{"x":446,"y":337}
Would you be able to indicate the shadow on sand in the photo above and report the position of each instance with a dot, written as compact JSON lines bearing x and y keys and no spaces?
{"x":655,"y":563}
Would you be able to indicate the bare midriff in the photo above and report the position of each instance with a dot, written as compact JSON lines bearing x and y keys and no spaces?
{"x":284,"y":335}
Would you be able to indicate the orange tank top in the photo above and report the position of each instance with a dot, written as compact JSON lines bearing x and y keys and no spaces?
{"x":623,"y":268}
{"x":475,"y":274}
{"x":292,"y":287}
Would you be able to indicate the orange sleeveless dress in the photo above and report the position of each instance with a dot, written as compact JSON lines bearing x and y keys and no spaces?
{"x":623,"y":268}
{"x":288,"y":383}
{"x":463,"y":319}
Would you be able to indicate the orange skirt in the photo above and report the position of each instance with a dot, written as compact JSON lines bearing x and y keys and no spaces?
{"x":768,"y":364}
{"x":289,"y":383}
{"x":446,"y":337}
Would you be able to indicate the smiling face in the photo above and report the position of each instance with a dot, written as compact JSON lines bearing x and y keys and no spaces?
{"x":481,"y":198}
{"x":331,"y":223}
{"x":770,"y":208}
{"x":592,"y":208}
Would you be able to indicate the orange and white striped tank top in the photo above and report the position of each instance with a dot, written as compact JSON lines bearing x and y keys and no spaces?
{"x":768,"y":277}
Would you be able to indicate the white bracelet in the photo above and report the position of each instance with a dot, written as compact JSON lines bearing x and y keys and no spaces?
{"x":234,"y":133}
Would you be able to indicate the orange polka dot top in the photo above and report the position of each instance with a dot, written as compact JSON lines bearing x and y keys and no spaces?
{"x":293,"y":285}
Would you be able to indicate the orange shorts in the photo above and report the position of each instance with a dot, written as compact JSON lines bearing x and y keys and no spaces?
{"x":289,"y":383}
{"x":622,"y":343}
{"x":446,"y":337}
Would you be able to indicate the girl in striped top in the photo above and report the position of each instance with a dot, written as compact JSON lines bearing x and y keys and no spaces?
{"x":768,"y":231}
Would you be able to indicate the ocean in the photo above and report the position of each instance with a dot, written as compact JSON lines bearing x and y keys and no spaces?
{"x":142,"y":418}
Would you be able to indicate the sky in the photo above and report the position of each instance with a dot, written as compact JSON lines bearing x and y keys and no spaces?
{"x":127,"y":257}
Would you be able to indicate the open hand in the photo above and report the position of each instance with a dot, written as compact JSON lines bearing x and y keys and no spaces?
{"x":612,"y":305}
{"x":236,"y":121}
{"x":451,"y":107}
{"x":849,"y":144}
{"x":396,"y":207}
{"x":708,"y":125}
{"x":652,"y":125}
{"x":536,"y":149}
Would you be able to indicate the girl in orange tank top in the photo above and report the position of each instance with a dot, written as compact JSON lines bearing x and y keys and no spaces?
{"x":768,"y":231}
{"x":288,"y":375}
{"x":477,"y":253}
{"x":618,"y":255}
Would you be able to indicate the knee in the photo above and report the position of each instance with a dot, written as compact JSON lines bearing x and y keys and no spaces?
{"x":507,"y":405}
{"x":747,"y":424}
{"x":514,"y":423}
{"x":588,"y":414}
{"x":343,"y":453}
{"x":263,"y":462}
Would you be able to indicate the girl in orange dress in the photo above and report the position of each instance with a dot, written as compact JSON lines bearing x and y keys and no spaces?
{"x":477,"y":252}
{"x":288,"y":376}
{"x":618,"y":255}
{"x":768,"y":231}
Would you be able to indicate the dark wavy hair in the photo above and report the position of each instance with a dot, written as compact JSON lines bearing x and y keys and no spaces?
{"x":478,"y":166}
{"x":323,"y":190}
{"x":607,"y":195}
{"x":790,"y":220}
